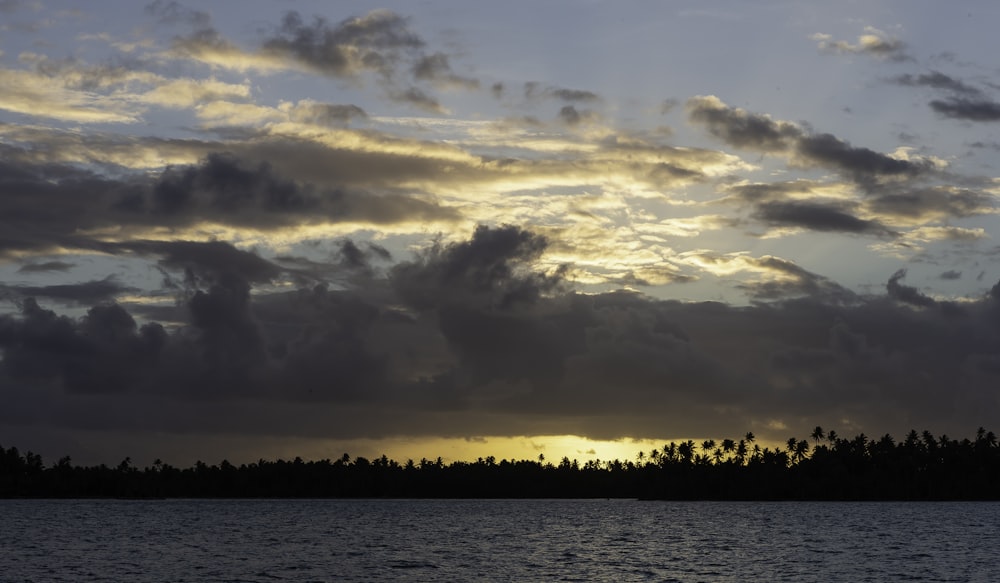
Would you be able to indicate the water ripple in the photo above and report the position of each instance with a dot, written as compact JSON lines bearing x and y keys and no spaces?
{"x":257,"y":541}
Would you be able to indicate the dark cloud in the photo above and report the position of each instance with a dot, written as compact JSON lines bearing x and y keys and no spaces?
{"x":436,"y":69}
{"x":818,"y":217}
{"x":349,"y":260}
{"x":373,"y":42}
{"x":327,"y":113}
{"x":572,"y":116}
{"x":968,"y":109}
{"x":740,"y":128}
{"x":772,"y":191}
{"x":225,"y":189}
{"x":210,"y":259}
{"x":45,"y":266}
{"x":84,"y":294}
{"x":862,"y":164}
{"x":45,"y":206}
{"x":379,"y":42}
{"x":492,"y":269}
{"x":907,"y":294}
{"x":935,"y":80}
{"x":535,"y":90}
{"x":574,"y":95}
{"x":173,"y":12}
{"x":471,"y":338}
{"x":569,"y":115}
{"x":794,"y":281}
{"x":221,"y":184}
{"x":101,"y":352}
{"x":985,"y":145}
{"x":801,"y":203}
{"x":928,"y":203}
{"x":418,"y":98}
{"x":743,"y":129}
{"x":950,"y":275}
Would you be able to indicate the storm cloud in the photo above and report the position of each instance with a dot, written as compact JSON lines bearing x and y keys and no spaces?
{"x":474,"y":327}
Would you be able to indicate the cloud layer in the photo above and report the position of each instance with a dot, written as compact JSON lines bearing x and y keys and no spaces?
{"x":339,"y":226}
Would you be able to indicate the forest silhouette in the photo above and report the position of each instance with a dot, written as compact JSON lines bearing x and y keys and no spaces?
{"x":825,"y":467}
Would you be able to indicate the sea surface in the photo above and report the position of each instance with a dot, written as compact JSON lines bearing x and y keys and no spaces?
{"x":496,"y":540}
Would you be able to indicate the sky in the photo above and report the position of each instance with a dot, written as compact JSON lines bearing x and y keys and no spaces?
{"x":444,"y":228}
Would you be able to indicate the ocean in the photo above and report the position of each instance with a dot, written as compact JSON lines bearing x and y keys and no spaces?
{"x":496,"y":540}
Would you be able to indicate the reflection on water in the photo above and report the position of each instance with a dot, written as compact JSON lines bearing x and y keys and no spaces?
{"x":498,"y":540}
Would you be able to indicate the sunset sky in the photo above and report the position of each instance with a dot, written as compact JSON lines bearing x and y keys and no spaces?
{"x":581,"y":228}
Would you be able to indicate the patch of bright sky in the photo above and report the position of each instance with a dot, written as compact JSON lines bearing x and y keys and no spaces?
{"x":634,"y":56}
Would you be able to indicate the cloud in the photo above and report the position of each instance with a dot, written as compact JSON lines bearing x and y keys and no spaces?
{"x":370,"y":42}
{"x":51,"y":206}
{"x":818,"y":217}
{"x":535,"y":90}
{"x":950,"y":275}
{"x":861,"y":163}
{"x":45,"y":267}
{"x":418,"y":98}
{"x":931,"y":203}
{"x":571,"y":116}
{"x":573,"y":95}
{"x":83,"y":294}
{"x":474,"y":334}
{"x":740,"y":128}
{"x":743,"y":129}
{"x":889,"y":211}
{"x":492,"y":269}
{"x":210,"y":260}
{"x":436,"y":69}
{"x":37,"y":95}
{"x":907,"y":294}
{"x":968,"y":109}
{"x":173,"y":12}
{"x":792,"y":281}
{"x":873,"y":42}
{"x":309,"y":111}
{"x":104,"y":351}
{"x":935,"y":80}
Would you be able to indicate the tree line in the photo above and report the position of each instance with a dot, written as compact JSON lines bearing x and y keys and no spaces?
{"x":824,"y":467}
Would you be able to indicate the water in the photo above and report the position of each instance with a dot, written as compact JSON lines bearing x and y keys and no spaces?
{"x":496,"y":540}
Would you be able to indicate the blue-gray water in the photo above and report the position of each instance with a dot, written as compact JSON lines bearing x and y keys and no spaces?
{"x":496,"y":540}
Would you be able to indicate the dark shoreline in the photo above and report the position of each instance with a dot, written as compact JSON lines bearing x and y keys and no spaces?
{"x":919,"y":468}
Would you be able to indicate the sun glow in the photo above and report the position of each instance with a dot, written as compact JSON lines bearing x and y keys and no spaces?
{"x":548,"y":448}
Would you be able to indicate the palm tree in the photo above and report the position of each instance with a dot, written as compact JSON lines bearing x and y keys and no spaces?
{"x":741,"y":452}
{"x":801,"y":451}
{"x":706,"y":447}
{"x":929,"y":440}
{"x":817,"y":434}
{"x":686,"y":451}
{"x":670,"y":452}
{"x":728,"y":446}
